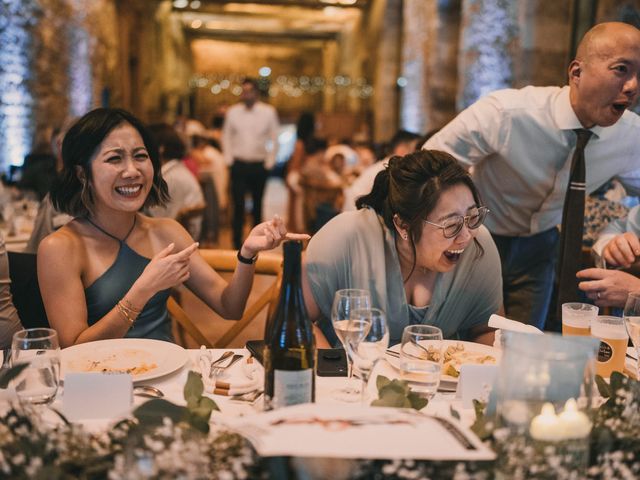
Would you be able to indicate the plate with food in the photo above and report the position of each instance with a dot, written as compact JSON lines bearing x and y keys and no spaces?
{"x":143,"y":359}
{"x":456,"y":353}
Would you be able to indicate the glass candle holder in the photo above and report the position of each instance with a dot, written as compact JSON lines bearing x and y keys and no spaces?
{"x":542,"y":402}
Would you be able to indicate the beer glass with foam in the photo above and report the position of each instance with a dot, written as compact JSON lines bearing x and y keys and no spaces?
{"x":613,"y":344}
{"x":577,"y":317}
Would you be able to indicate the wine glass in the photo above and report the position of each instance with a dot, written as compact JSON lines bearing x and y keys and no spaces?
{"x":373,"y":345}
{"x":421,"y":358}
{"x":345,"y":302}
{"x":631,"y":315}
{"x":39,"y":348}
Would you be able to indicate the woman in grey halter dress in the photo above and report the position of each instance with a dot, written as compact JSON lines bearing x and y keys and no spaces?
{"x":108,"y":272}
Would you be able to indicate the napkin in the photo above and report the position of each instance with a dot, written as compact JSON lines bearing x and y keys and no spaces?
{"x":237,"y":381}
{"x":502,"y":323}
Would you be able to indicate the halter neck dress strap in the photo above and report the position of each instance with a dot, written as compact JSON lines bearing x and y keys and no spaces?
{"x":113,"y":236}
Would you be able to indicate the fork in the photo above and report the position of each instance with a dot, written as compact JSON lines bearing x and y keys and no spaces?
{"x":220,"y":367}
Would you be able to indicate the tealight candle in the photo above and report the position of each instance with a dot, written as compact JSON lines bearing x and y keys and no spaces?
{"x":547,"y":426}
{"x":574,"y":422}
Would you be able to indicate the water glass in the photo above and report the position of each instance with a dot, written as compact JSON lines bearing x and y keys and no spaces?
{"x":373,"y":345}
{"x":631,"y":315}
{"x":613,"y":338}
{"x":577,"y":317}
{"x":421,"y":358}
{"x":345,"y":302}
{"x":39,"y":348}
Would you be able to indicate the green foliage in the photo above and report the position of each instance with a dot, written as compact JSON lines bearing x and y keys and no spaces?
{"x":396,"y":393}
{"x":196,"y":413}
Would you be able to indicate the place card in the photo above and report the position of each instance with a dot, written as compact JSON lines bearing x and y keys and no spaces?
{"x":475,"y":382}
{"x":96,"y":396}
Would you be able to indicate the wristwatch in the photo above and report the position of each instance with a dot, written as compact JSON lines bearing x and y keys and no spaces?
{"x":247,"y":261}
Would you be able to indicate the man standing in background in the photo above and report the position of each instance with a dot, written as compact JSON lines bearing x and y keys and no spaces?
{"x":250,"y":144}
{"x":524,"y":144}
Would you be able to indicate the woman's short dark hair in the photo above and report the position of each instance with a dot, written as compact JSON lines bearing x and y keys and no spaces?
{"x":411,"y":186}
{"x":71,"y":195}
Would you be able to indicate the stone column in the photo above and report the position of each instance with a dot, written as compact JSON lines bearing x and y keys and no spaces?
{"x":489,"y":32}
{"x":386,"y":35}
{"x":17,"y":17}
{"x":419,"y":26}
{"x":429,"y":68}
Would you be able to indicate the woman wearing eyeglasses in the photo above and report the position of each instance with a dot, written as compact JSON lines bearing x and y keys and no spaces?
{"x":417,"y":244}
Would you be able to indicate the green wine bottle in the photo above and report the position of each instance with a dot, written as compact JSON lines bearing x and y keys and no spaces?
{"x":290,"y":348}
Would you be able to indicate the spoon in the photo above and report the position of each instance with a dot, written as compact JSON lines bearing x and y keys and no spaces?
{"x":147,"y":391}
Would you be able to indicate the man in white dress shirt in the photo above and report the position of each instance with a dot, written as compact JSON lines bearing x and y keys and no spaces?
{"x":250,"y":144}
{"x":521,"y":142}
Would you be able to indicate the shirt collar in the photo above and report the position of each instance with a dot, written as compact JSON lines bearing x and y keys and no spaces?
{"x":565,"y":117}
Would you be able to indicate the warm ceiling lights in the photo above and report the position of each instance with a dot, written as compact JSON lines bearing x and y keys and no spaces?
{"x":180,"y":3}
{"x":339,"y":2}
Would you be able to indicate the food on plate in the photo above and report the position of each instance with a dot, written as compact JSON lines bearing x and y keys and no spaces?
{"x":133,"y":362}
{"x":456,"y":355}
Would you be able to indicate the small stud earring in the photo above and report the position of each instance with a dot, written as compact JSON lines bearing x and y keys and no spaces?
{"x":404,"y":236}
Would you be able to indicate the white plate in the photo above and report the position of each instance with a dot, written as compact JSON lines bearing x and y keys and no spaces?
{"x":154,"y":358}
{"x":468,"y":347}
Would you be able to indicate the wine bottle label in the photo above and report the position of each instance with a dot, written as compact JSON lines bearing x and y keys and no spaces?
{"x":291,"y":387}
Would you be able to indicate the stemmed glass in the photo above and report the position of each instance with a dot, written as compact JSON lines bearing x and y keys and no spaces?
{"x":373,"y":345}
{"x":631,"y":315}
{"x":345,"y":302}
{"x":39,"y":347}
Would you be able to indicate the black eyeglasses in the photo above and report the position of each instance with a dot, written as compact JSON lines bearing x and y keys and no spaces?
{"x":453,"y":225}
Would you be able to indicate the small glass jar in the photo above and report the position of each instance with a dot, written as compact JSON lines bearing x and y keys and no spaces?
{"x":543,"y":398}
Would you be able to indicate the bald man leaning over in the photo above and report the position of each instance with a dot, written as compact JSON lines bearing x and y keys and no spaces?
{"x":521,"y":142}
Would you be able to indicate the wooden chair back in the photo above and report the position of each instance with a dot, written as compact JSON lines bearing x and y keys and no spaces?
{"x":221,"y":260}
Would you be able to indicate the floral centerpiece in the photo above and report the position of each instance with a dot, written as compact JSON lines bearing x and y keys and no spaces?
{"x":162,"y":440}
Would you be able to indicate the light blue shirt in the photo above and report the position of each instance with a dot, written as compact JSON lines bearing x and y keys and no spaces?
{"x":520,"y":144}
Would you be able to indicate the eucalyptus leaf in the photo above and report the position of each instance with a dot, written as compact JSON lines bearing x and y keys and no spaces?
{"x":396,"y":394}
{"x":194,"y":387}
{"x":391,"y":398}
{"x":153,"y":411}
{"x":8,"y":374}
{"x":382,"y":381}
{"x":417,"y":402}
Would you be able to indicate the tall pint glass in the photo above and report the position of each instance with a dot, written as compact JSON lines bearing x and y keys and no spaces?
{"x":613,"y":338}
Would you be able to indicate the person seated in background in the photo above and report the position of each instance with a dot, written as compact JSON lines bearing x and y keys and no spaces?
{"x":39,"y":168}
{"x":417,"y":244}
{"x":212,"y":167}
{"x":402,"y":143}
{"x":322,"y":185}
{"x":617,"y":247}
{"x":48,"y":219}
{"x":9,"y":320}
{"x":108,"y":272}
{"x":184,"y":189}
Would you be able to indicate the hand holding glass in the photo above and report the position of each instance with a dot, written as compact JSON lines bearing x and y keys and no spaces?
{"x":421,"y":358}
{"x":39,"y":348}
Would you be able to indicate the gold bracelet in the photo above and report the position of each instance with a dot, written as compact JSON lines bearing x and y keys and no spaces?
{"x":125,"y":314}
{"x":129,"y":306}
